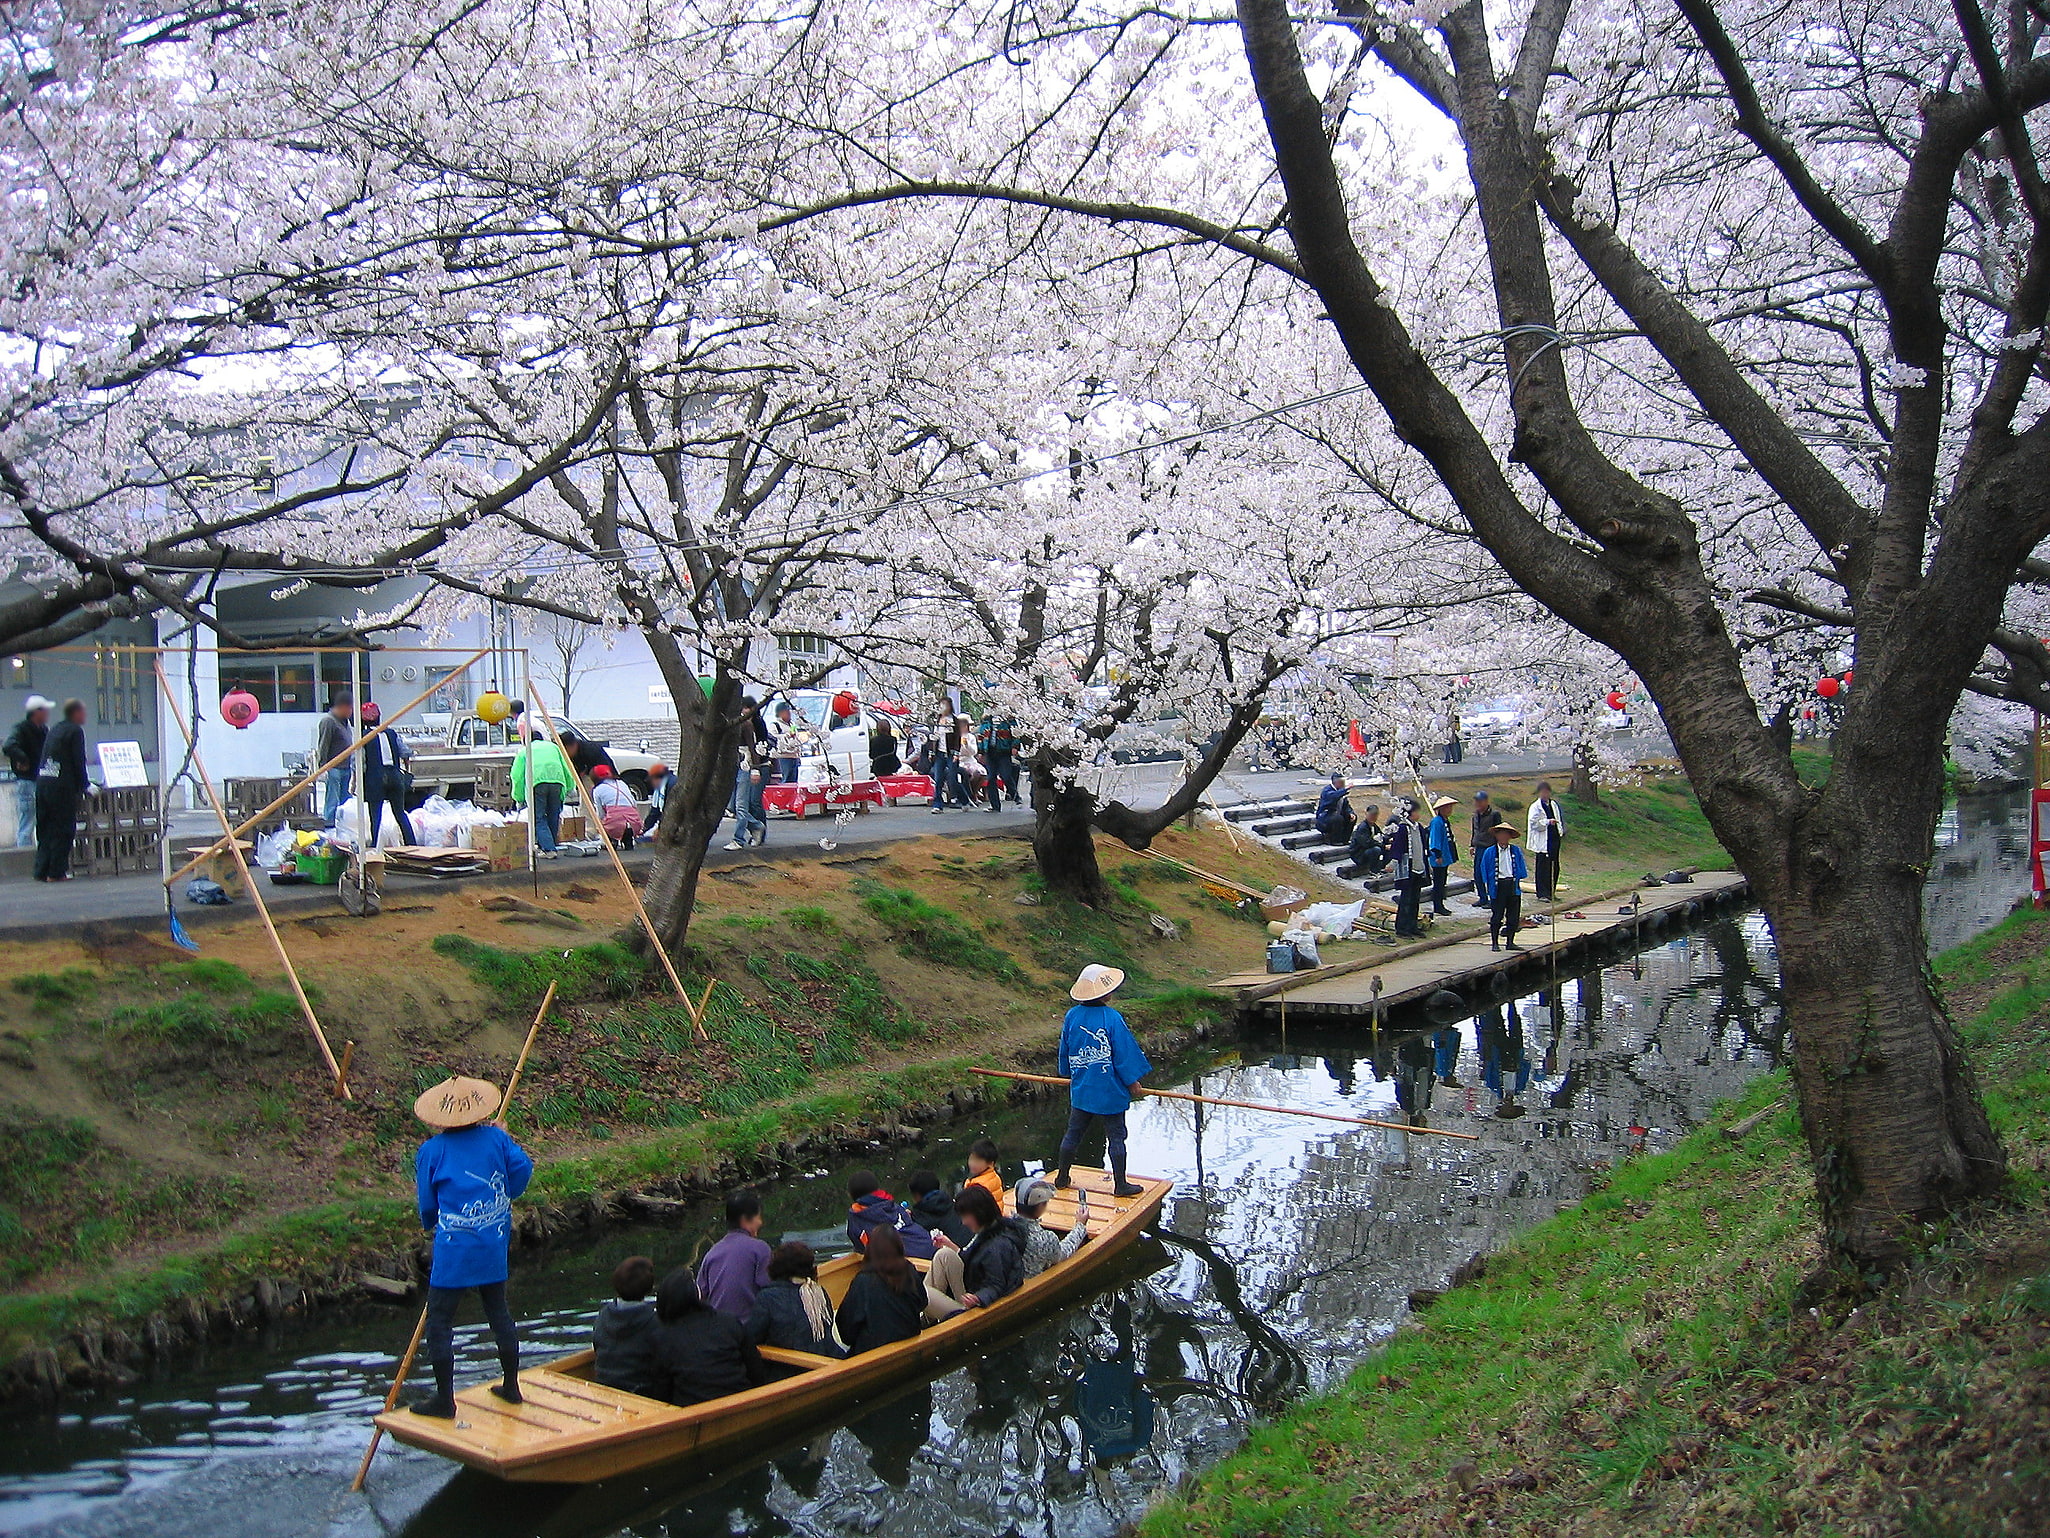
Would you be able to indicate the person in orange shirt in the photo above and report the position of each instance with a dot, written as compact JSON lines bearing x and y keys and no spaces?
{"x":982,"y":1169}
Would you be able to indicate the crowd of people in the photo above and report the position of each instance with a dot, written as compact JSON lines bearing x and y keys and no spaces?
{"x":1420,"y":852}
{"x":693,"y":1334}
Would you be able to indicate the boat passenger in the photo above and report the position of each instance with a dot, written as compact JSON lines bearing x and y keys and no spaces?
{"x":982,"y":1168}
{"x":874,"y":1208}
{"x":793,"y":1311}
{"x":700,"y":1353}
{"x":467,"y":1177}
{"x":934,"y":1209}
{"x":623,"y":1341}
{"x":737,"y":1267}
{"x":990,"y":1265}
{"x":886,"y":1301}
{"x":1045,"y":1249}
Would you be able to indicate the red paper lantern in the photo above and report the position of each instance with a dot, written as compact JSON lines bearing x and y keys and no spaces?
{"x":1808,"y":714}
{"x":1616,"y":700}
{"x":1828,"y":688}
{"x":844,"y":703}
{"x":1848,"y":676}
{"x":239,"y":708}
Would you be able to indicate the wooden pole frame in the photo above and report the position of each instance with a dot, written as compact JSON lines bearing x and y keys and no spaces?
{"x":341,"y":1089}
{"x":405,"y":1368}
{"x":535,"y":702}
{"x":312,"y":775}
{"x":1246,"y":1105}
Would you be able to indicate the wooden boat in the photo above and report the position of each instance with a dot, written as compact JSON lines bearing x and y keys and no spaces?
{"x":574,"y":1431}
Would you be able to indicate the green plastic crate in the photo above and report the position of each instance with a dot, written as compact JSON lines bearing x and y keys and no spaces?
{"x":322,"y":869}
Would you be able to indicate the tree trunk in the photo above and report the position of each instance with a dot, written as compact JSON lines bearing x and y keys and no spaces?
{"x":1063,"y":836}
{"x":1890,"y":1106}
{"x":706,"y":761}
{"x":1781,"y":726}
{"x":1583,"y":786}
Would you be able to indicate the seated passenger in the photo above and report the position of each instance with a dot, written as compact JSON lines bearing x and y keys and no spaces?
{"x":700,"y":1353}
{"x":990,"y":1265}
{"x":934,"y":1209}
{"x":886,"y":1301}
{"x":1045,"y":1249}
{"x":982,"y":1168}
{"x":737,"y":1267}
{"x":623,"y":1340}
{"x":874,"y":1208}
{"x":793,"y":1311}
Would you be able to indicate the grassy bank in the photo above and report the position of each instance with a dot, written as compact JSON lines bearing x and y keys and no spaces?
{"x":1650,"y":1363}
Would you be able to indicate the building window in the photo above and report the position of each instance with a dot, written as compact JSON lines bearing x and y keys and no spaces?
{"x":289,"y":683}
{"x":117,"y":685}
{"x":451,"y":690}
{"x":801,"y":658}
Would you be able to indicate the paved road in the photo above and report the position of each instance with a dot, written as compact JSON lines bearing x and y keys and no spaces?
{"x":29,"y":910}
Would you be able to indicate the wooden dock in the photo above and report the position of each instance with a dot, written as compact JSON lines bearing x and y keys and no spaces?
{"x":1410,"y":973}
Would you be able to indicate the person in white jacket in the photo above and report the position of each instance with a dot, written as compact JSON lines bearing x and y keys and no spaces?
{"x":1544,"y":835}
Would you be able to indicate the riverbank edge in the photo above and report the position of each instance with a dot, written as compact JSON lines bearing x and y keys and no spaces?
{"x":105,"y":1335}
{"x":1464,"y":1395}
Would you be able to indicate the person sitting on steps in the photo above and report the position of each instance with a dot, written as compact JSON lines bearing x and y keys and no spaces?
{"x":1103,"y":1064}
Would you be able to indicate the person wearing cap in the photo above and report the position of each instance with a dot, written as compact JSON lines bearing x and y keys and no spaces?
{"x":1102,"y":1062}
{"x":1442,"y":851}
{"x":619,"y":815}
{"x":1045,"y":1249}
{"x":1545,"y":833}
{"x":1499,"y":874}
{"x":661,"y":780}
{"x":384,"y":772}
{"x":1485,"y":816}
{"x":24,"y":750}
{"x":467,"y":1177}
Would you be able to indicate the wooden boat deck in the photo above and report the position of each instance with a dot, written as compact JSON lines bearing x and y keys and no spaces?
{"x":571,"y":1430}
{"x":1346,"y":987}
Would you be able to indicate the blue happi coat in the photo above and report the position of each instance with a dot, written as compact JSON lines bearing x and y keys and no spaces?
{"x":1489,"y":869}
{"x":1100,"y":1058}
{"x":467,"y":1179}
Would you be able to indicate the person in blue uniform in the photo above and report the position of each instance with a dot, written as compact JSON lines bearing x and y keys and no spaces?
{"x":467,"y":1177}
{"x":1102,"y":1062}
{"x":1498,"y":874}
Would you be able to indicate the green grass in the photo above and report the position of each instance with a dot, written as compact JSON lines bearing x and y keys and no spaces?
{"x":1660,"y":826}
{"x":812,"y":921}
{"x":1647,"y":1362}
{"x":51,"y":991}
{"x":195,"y":1024}
{"x":598,"y":970}
{"x":925,"y":931}
{"x":1066,"y":936}
{"x":1181,"y":1008}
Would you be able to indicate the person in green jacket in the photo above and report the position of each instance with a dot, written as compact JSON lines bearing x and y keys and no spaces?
{"x":540,"y":762}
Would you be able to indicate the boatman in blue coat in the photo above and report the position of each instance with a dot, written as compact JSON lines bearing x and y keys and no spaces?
{"x":1499,"y":874}
{"x":467,"y":1176}
{"x":1101,"y":1060}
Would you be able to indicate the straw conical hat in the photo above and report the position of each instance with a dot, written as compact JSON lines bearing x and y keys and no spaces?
{"x":457,"y":1103}
{"x":1096,"y":982}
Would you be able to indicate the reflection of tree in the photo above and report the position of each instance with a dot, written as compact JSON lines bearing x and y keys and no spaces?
{"x":1272,"y":1373}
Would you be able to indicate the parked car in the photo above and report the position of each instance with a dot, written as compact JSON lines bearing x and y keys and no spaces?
{"x":446,"y":764}
{"x":1491,"y":718}
{"x":838,"y":753}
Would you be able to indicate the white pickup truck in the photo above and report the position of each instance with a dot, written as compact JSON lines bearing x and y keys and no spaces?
{"x":445,"y":763}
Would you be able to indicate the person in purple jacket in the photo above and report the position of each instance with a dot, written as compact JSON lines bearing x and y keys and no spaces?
{"x":737,"y":1267}
{"x":467,"y":1177}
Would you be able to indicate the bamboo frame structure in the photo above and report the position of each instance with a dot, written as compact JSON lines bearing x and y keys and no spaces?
{"x":313,"y":775}
{"x":591,"y":815}
{"x":234,"y":844}
{"x":1246,"y":1105}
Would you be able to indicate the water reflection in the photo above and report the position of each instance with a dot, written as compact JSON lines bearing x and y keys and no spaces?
{"x":1289,"y":1248}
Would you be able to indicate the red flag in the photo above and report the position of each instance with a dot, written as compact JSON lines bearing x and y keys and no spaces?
{"x":1356,"y":742}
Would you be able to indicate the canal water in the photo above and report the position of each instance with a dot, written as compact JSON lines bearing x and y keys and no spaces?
{"x":1287,"y":1252}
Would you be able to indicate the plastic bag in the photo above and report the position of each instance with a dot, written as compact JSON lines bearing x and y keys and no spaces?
{"x":1305,"y":943}
{"x":274,"y":850}
{"x":343,"y":834}
{"x":1337,"y":918}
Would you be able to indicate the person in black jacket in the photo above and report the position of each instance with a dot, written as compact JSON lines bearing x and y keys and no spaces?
{"x":584,"y":755}
{"x":886,"y":1301}
{"x":873,"y":1208}
{"x":990,"y":1265}
{"x":793,"y":1311}
{"x":623,"y":1340}
{"x":60,"y":781}
{"x":24,"y":750}
{"x":933,"y":1210}
{"x":700,"y":1353}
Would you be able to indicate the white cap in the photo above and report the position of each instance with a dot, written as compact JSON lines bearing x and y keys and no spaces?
{"x":41,"y":702}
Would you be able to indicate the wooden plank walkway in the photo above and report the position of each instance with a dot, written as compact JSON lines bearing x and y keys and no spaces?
{"x":1346,"y":986}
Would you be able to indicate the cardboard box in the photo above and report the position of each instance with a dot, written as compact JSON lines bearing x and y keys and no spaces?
{"x":572,"y":829}
{"x":506,"y":846}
